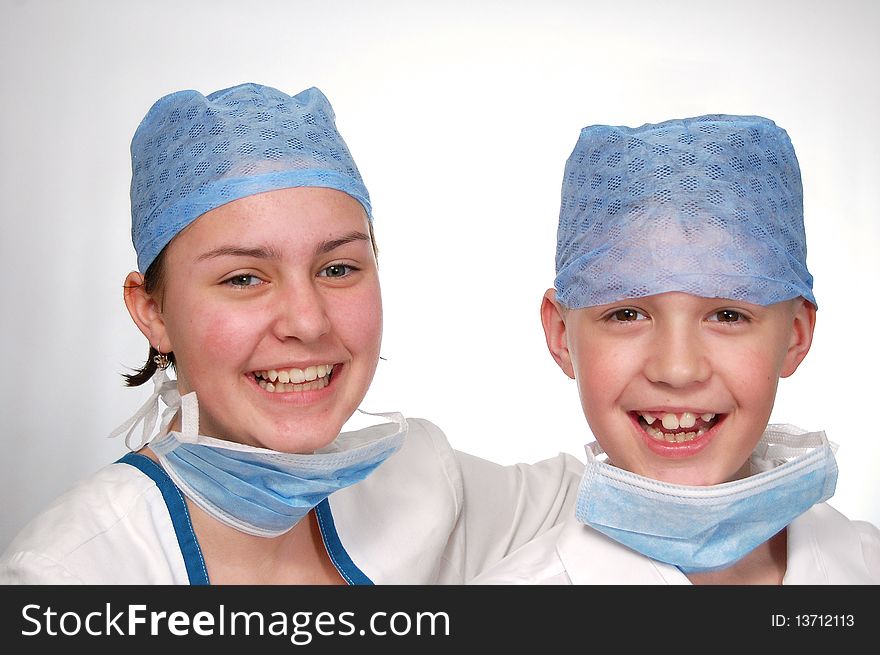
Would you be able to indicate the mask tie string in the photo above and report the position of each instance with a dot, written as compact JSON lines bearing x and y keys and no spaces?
{"x":149,"y":412}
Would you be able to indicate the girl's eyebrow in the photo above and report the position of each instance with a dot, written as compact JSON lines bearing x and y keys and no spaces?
{"x":328,"y":246}
{"x":257,"y":252}
{"x":271,"y":252}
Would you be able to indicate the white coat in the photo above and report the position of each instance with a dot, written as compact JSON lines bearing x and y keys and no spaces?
{"x":824,"y":547}
{"x":427,"y":515}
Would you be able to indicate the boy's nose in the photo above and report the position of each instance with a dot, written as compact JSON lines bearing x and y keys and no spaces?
{"x":678,"y":358}
{"x":300,"y":313}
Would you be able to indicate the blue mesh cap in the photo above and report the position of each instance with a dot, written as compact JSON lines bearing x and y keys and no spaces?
{"x":711,"y":206}
{"x":192,"y":153}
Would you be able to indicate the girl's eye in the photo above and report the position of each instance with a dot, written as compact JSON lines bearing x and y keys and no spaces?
{"x":337,"y":270}
{"x":627,"y":314}
{"x":243,"y":280}
{"x":727,"y":316}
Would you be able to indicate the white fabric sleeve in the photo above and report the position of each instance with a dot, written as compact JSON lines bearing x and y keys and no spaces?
{"x":506,"y":506}
{"x":869,"y":536}
{"x":25,"y":568}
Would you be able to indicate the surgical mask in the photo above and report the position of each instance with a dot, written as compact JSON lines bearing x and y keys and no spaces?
{"x":707,"y":528}
{"x":255,"y":490}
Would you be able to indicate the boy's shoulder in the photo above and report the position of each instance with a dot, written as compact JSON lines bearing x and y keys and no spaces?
{"x":826,"y":547}
{"x":574,"y":553}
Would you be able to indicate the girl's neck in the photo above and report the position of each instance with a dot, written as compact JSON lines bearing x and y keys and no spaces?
{"x":233,"y":557}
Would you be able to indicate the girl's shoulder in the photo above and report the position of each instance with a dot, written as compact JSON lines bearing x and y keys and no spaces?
{"x":113,"y":523}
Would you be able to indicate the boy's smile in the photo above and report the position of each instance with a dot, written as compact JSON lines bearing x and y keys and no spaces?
{"x":678,"y":387}
{"x":673,"y":427}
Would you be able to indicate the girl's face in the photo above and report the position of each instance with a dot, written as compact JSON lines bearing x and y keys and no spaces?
{"x":271,"y":304}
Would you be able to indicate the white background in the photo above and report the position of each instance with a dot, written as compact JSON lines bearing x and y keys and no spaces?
{"x":460,"y":115}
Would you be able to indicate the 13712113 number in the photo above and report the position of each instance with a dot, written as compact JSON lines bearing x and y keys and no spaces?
{"x":824,"y":620}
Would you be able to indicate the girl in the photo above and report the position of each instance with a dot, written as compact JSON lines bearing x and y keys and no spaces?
{"x":257,"y":281}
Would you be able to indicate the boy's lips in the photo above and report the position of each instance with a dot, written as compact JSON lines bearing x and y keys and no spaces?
{"x":676,"y":433}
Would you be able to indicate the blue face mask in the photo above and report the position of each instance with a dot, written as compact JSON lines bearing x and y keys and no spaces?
{"x":258,"y":491}
{"x":707,"y":528}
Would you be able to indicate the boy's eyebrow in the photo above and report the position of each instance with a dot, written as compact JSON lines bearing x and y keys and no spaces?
{"x":328,"y":246}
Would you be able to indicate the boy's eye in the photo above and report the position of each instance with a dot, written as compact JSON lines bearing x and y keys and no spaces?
{"x":243,"y":280}
{"x":627,"y":314}
{"x":337,"y":270}
{"x":727,"y":316}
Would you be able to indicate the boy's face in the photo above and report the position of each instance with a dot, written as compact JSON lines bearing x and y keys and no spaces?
{"x":678,"y":387}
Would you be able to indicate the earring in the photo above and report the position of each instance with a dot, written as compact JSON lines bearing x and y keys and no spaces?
{"x":161,"y":360}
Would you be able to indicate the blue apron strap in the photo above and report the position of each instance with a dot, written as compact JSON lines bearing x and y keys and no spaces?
{"x":341,"y":560}
{"x":186,"y":537}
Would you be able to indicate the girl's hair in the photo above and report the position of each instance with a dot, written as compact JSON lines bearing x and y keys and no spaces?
{"x":153,"y":279}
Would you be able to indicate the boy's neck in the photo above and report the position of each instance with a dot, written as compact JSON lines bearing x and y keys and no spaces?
{"x":765,"y":565}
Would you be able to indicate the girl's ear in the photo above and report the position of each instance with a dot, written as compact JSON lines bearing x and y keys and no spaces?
{"x":553,"y":320}
{"x":802,"y":326}
{"x":145,"y":312}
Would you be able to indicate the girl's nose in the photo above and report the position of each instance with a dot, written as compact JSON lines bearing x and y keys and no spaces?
{"x":301,"y":314}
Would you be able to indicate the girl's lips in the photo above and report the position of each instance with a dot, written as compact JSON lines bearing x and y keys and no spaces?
{"x":303,"y":393}
{"x":676,"y":449}
{"x":293,"y":374}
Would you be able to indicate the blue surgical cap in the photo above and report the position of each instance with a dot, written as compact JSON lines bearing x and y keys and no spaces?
{"x":710,"y":205}
{"x":192,"y":153}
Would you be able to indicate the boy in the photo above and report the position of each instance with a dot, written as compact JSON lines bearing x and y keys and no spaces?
{"x":682,"y":296}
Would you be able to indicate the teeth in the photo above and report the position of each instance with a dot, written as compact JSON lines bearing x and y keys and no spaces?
{"x":281,"y":387}
{"x":314,"y":377}
{"x":674,"y":437}
{"x":676,"y":429}
{"x":673,"y":422}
